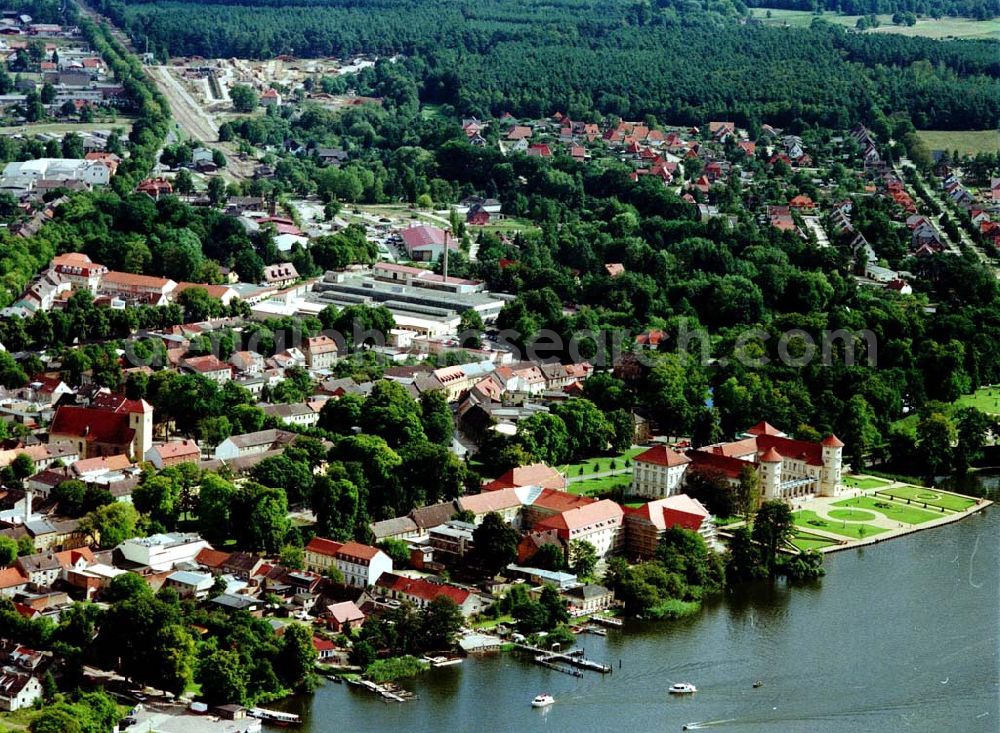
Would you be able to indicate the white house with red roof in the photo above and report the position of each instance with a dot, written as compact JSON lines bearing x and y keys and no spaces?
{"x":658,"y":472}
{"x":361,"y":565}
{"x":421,"y":592}
{"x":600,"y":523}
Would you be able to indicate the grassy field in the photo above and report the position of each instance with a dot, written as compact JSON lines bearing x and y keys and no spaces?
{"x":964,"y":141}
{"x":807,"y":519}
{"x":865,"y":483}
{"x":593,"y":486}
{"x":931,"y":497}
{"x":61,"y":128}
{"x":925,"y":28}
{"x":600,"y":464}
{"x":18,"y":720}
{"x":852,"y":515}
{"x":892,"y":510}
{"x":809,"y":541}
{"x":986,"y":399}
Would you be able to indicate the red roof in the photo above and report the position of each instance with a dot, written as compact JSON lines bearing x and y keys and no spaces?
{"x":677,"y":510}
{"x":323,"y":645}
{"x":211,"y":558}
{"x":323,"y":546}
{"x":771,"y":456}
{"x":801,"y":450}
{"x":832,"y":441}
{"x":422,"y":589}
{"x":764,"y":428}
{"x":535,"y":474}
{"x":661,"y":455}
{"x":102,"y":426}
{"x":560,"y":501}
{"x":357,"y":550}
{"x":581,"y":517}
{"x":11,"y":578}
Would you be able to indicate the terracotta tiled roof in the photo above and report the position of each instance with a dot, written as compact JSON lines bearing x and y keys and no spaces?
{"x":357,"y":550}
{"x":423,"y":589}
{"x":661,"y":455}
{"x":323,"y":546}
{"x":583,"y":516}
{"x":101,"y":426}
{"x":535,"y":474}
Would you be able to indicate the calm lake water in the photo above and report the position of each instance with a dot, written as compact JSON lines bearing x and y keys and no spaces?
{"x":900,"y":636}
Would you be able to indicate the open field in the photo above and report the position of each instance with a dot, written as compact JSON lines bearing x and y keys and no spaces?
{"x":600,"y":464}
{"x":931,"y":497}
{"x":865,"y":483}
{"x":964,"y":141}
{"x":61,"y":128}
{"x":809,"y":541}
{"x":986,"y":399}
{"x":808,"y":519}
{"x":924,"y":28}
{"x":592,"y":486}
{"x":892,"y":510}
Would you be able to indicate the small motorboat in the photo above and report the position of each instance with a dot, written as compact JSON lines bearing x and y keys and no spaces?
{"x":757,"y":684}
{"x":542,"y":701}
{"x":682,"y":688}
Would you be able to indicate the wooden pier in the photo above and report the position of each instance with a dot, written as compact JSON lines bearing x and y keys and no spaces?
{"x":573,"y":658}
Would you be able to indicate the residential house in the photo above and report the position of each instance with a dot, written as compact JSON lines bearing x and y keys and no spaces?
{"x":587,"y":599}
{"x":361,"y":565}
{"x":248,"y":444}
{"x":343,"y":618}
{"x":298,"y":413}
{"x":210,"y":367}
{"x":189,"y":584}
{"x":19,"y":690}
{"x":421,"y":592}
{"x":280,"y":275}
{"x":172,"y":454}
{"x":601,"y":524}
{"x":320,"y":351}
{"x":143,"y":289}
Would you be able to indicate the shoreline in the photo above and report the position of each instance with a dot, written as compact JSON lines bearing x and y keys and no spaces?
{"x":911,"y":529}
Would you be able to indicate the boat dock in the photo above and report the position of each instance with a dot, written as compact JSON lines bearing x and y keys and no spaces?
{"x":274,"y":716}
{"x":573,"y":658}
{"x":616,"y":623}
{"x":389,"y":692}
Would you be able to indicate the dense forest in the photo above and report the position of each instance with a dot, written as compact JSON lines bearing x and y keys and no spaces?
{"x":679,"y":62}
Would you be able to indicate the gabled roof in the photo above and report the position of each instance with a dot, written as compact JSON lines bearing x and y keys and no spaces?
{"x":101,"y":426}
{"x":211,"y":558}
{"x":422,"y":589}
{"x":491,"y":501}
{"x":344,"y":612}
{"x":661,"y":455}
{"x":535,"y":474}
{"x":583,"y":516}
{"x":323,"y":546}
{"x":358,"y":551}
{"x":560,"y":501}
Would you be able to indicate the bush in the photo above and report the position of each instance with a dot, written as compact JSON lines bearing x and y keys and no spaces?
{"x":394,"y":668}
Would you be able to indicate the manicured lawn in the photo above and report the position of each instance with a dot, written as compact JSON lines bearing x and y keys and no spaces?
{"x":809,"y":541}
{"x":592,"y":486}
{"x":852,"y":515}
{"x":891,"y":509}
{"x":807,"y":519}
{"x":931,"y":497}
{"x":986,"y":399}
{"x":599,"y":464}
{"x":492,"y":623}
{"x":865,"y":483}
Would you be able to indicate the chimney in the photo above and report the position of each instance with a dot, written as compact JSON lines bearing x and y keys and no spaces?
{"x":28,"y":496}
{"x":445,"y":269}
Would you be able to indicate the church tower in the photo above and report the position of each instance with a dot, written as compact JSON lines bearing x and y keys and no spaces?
{"x":833,"y":450}
{"x":140,"y":419}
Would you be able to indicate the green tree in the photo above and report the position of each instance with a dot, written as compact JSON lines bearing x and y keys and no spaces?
{"x":495,"y":543}
{"x":582,"y":558}
{"x":441,"y":623}
{"x":296,"y":657}
{"x":772,"y":529}
{"x":436,"y":417}
{"x":8,"y":551}
{"x":861,"y":430}
{"x":748,"y":491}
{"x":223,"y":677}
{"x":936,"y":434}
{"x":217,"y":191}
{"x":110,"y":525}
{"x":244,"y":97}
{"x":397,"y":550}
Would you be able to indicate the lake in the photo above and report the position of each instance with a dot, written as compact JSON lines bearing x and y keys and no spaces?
{"x":899,"y":636}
